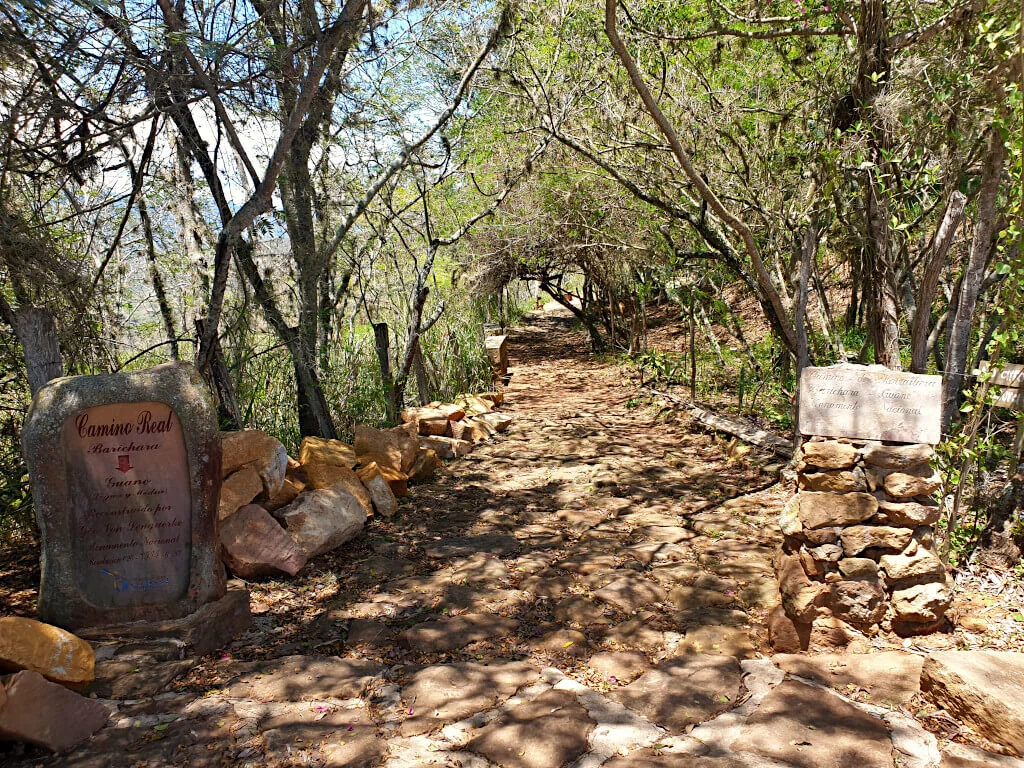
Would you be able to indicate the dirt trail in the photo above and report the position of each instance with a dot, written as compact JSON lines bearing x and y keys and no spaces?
{"x":589,"y":588}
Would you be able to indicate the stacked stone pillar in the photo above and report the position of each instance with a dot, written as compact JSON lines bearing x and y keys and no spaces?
{"x":859,"y":546}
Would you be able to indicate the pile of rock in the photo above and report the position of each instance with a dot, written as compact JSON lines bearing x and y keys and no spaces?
{"x":38,"y":702}
{"x":859,"y":549}
{"x":276,"y":513}
{"x":451,"y":429}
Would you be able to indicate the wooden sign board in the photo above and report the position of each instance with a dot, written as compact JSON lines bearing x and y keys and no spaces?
{"x":1010,"y":378}
{"x":872,"y":403}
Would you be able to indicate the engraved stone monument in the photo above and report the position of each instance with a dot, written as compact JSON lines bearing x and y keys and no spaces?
{"x":870,"y":402}
{"x":858,"y":554}
{"x":125,"y":472}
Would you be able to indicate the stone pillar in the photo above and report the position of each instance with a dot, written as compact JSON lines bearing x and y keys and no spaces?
{"x":859,"y":548}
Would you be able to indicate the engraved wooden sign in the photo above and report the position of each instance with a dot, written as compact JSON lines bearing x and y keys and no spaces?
{"x":1010,"y":378}
{"x":870,"y":402}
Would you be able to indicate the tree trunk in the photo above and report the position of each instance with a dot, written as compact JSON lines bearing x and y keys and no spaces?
{"x":37,"y":333}
{"x":230,"y":413}
{"x":981,"y":247}
{"x":382,"y":344}
{"x":314,"y":410}
{"x":883,"y":314}
{"x":157,"y":280}
{"x":937,"y":251}
{"x":422,"y":383}
{"x":693,"y":350}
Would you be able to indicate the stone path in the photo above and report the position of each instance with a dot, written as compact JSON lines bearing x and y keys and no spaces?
{"x":589,"y":589}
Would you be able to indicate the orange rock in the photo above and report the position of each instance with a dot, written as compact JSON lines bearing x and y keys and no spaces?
{"x":383,"y":497}
{"x":397,"y":481}
{"x":256,"y":449}
{"x":395,"y":449}
{"x":476,"y":431}
{"x":320,"y":476}
{"x":474,"y":405}
{"x":498,"y":398}
{"x":237,"y":490}
{"x":426,"y":464}
{"x":54,"y":653}
{"x":294,"y":484}
{"x":325,"y":451}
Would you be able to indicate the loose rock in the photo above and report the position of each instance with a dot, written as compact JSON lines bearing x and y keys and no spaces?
{"x":238,"y":490}
{"x":319,"y":521}
{"x":254,"y":545}
{"x":256,"y":449}
{"x":380,"y":492}
{"x":684,"y":691}
{"x":36,"y":711}
{"x":982,"y":688}
{"x":321,"y":450}
{"x":56,"y":654}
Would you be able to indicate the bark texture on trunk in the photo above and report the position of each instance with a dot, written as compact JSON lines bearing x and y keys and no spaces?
{"x":37,"y":333}
{"x":974,"y":274}
{"x":935,"y":261}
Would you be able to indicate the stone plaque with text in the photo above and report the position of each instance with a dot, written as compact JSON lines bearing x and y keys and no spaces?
{"x":870,"y":402}
{"x":125,"y":472}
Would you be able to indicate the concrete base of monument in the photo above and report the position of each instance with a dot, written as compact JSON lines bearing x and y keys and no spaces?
{"x":210,"y":628}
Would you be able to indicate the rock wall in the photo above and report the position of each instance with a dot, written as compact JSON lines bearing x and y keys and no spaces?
{"x":859,"y":547}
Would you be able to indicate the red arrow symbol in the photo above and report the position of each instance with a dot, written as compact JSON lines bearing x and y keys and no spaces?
{"x":124,"y":463}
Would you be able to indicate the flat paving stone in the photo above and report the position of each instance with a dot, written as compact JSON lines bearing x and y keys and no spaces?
{"x":679,"y":573}
{"x":586,"y":563}
{"x":635,"y":634}
{"x":301,"y":734}
{"x":469,"y":598}
{"x":456,"y":632}
{"x":482,"y":569}
{"x":127,"y":678}
{"x":532,"y":562}
{"x":631,"y":592}
{"x":619,"y":666}
{"x":499,"y":545}
{"x":658,"y":552}
{"x":718,"y":639}
{"x":449,"y":692}
{"x":585,"y":611}
{"x":372,"y":633}
{"x":682,"y":692}
{"x":888,"y":677}
{"x":981,"y":688}
{"x":703,"y":615}
{"x":809,"y":728}
{"x":300,"y":678}
{"x":548,"y":583}
{"x":684,"y":597}
{"x":562,"y":642}
{"x":547,"y":732}
{"x":665,"y":533}
{"x":965,"y":756}
{"x":650,"y":758}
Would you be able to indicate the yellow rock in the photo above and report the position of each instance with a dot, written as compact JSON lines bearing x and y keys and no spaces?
{"x":54,"y":653}
{"x":325,"y":451}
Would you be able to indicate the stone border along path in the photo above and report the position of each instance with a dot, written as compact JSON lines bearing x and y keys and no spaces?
{"x":589,"y":590}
